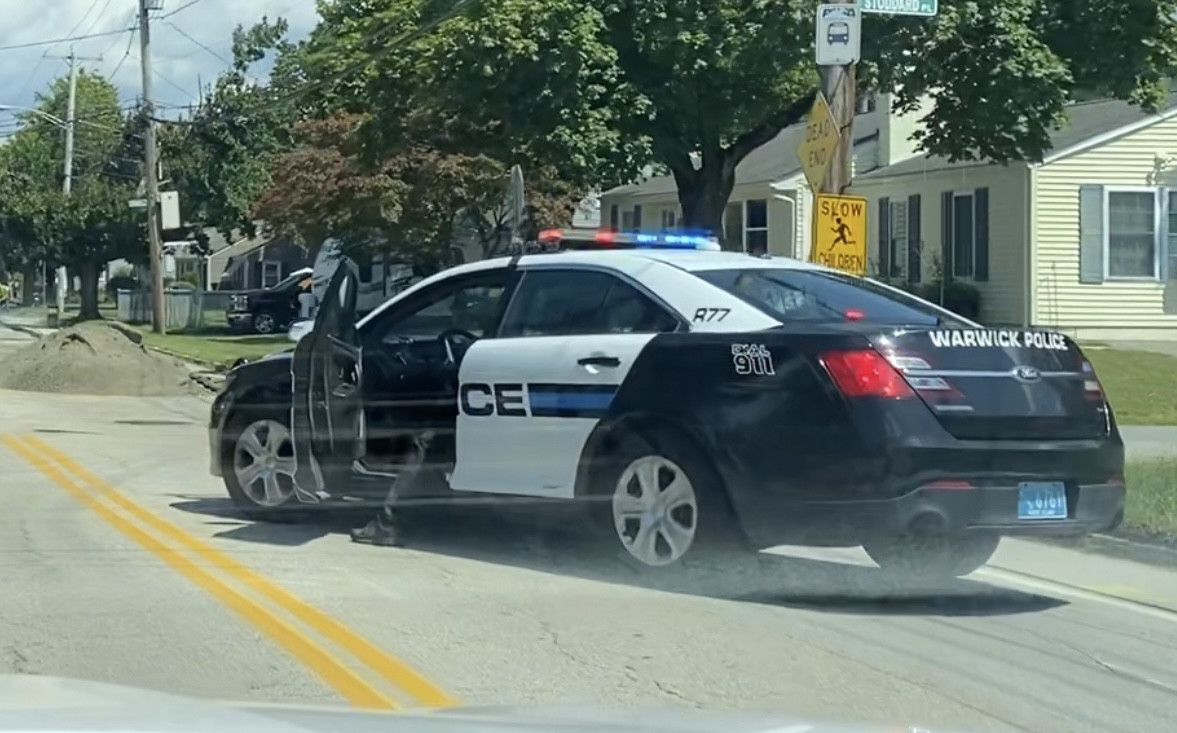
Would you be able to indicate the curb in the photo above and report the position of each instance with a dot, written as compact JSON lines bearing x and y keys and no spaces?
{"x":30,"y":330}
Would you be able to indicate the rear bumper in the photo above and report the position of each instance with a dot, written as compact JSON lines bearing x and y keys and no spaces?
{"x":990,"y":509}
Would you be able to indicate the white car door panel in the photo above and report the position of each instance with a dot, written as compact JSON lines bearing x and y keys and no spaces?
{"x":528,"y":405}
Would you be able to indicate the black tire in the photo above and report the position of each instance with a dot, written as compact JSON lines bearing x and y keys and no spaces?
{"x":714,"y":531}
{"x":265,"y":323}
{"x":934,"y":557}
{"x":239,"y":426}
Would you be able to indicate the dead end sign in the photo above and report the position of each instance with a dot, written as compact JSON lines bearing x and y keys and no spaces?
{"x":839,"y":233}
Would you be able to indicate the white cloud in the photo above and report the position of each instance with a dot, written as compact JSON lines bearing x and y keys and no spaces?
{"x":181,"y":63}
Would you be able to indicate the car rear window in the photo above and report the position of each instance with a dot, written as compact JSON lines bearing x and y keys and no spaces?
{"x":821,"y":296}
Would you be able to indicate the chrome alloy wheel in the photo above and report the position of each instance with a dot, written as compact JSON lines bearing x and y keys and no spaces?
{"x":263,"y":463}
{"x":655,"y":511}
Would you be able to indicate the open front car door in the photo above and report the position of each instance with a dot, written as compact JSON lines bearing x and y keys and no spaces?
{"x":327,"y":411}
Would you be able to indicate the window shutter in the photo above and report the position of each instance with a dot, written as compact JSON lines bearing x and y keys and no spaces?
{"x":1091,"y":234}
{"x":885,"y":238}
{"x":614,"y":217}
{"x":914,"y":260}
{"x":1165,"y":252}
{"x":637,"y":217}
{"x":946,"y":235}
{"x":981,"y":235}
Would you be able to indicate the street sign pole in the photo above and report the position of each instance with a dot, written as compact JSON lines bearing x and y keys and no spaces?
{"x":839,"y":44}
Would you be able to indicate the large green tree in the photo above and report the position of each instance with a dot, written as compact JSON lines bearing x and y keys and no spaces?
{"x":92,"y":224}
{"x":609,"y":86}
{"x":219,"y":159}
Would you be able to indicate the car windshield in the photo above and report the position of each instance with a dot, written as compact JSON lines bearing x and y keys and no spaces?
{"x":797,"y":295}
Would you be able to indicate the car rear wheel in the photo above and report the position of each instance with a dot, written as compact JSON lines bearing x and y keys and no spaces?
{"x":664,"y":505}
{"x":259,"y":467}
{"x":945,"y":556}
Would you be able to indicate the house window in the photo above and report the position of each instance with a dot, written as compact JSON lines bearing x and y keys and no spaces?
{"x":964,"y":235}
{"x":271,"y":273}
{"x":745,"y":226}
{"x":1132,"y":238}
{"x":756,"y":226}
{"x":627,"y":221}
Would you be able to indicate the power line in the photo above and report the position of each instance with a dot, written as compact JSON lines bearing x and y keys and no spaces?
{"x":126,"y":54}
{"x":66,"y":39}
{"x":180,"y":9}
{"x":184,"y":33}
{"x":387,"y":48}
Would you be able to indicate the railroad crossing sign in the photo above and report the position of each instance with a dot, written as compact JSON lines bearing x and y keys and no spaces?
{"x":923,"y":8}
{"x":839,"y":233}
{"x":821,"y":140}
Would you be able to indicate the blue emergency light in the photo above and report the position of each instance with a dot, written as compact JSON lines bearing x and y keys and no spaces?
{"x":589,"y":239}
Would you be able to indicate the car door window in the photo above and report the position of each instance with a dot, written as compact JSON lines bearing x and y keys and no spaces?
{"x":581,"y":302}
{"x":471,"y":304}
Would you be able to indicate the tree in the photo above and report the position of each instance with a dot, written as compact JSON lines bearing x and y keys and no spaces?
{"x":219,"y":160}
{"x":93,"y":224}
{"x":405,"y":204}
{"x":26,"y":168}
{"x":611,"y":86}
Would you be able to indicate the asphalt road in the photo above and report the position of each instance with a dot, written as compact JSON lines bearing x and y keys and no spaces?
{"x":122,"y":561}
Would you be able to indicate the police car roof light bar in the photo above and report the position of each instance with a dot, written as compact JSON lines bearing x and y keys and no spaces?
{"x":606,"y":239}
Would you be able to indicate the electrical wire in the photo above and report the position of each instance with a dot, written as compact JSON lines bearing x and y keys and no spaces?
{"x":65,"y":39}
{"x":393,"y":44}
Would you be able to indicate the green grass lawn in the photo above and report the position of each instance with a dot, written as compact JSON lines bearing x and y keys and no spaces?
{"x":217,"y":350}
{"x":1152,"y":495}
{"x":1141,"y":385}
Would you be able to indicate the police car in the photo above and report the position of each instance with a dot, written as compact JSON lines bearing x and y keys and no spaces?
{"x":686,"y":396}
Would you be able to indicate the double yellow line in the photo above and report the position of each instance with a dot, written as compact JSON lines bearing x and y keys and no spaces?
{"x":206,"y":566}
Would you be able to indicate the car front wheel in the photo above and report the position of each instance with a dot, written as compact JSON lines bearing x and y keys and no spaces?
{"x":259,"y":467}
{"x":932,"y":557}
{"x":664,"y":504}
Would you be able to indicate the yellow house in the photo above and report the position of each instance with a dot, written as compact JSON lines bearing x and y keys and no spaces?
{"x":770,"y":206}
{"x":1085,"y":241}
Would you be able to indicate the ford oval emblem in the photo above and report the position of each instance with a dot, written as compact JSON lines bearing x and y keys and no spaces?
{"x":1027,"y":374}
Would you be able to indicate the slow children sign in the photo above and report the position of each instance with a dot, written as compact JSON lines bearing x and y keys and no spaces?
{"x":1004,"y":338}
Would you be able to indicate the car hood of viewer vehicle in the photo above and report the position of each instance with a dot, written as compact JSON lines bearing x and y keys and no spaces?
{"x":61,"y":705}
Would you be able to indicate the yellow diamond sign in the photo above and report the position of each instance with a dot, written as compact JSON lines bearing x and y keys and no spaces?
{"x":821,"y":140}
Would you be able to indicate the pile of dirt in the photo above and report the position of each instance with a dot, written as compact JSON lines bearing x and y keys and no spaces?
{"x":97,"y":359}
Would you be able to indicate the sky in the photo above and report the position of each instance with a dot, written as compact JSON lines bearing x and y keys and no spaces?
{"x":190,"y":42}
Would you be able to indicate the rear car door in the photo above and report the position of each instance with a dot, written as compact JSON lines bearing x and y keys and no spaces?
{"x":529,"y":399}
{"x":327,"y":408}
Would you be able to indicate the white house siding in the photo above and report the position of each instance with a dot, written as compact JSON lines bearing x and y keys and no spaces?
{"x":782,"y":221}
{"x":1116,"y":307}
{"x":1003,"y":298}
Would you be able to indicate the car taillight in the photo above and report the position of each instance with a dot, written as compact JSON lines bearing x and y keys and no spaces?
{"x":1092,"y":389}
{"x":865,"y":373}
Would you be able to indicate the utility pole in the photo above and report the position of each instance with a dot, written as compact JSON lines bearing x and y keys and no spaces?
{"x":67,"y":179}
{"x":839,"y":85}
{"x":150,"y":164}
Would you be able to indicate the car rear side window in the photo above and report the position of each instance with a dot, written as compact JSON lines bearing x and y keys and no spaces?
{"x":581,"y":302}
{"x":820,"y":296}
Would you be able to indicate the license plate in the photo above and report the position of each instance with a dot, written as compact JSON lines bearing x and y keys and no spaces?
{"x":1042,"y":500}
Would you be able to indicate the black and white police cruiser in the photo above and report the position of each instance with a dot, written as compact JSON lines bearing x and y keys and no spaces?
{"x":687,"y":396}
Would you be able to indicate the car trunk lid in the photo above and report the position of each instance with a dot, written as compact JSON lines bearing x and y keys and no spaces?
{"x":1001,"y":384}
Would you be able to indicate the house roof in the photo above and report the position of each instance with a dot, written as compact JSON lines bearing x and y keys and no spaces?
{"x":1088,"y":124}
{"x":771,"y":162}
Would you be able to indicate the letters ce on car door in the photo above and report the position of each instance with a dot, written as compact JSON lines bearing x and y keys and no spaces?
{"x":327,"y":401}
{"x":529,"y":399}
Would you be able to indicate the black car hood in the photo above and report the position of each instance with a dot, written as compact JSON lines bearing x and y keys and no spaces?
{"x":31,"y":703}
